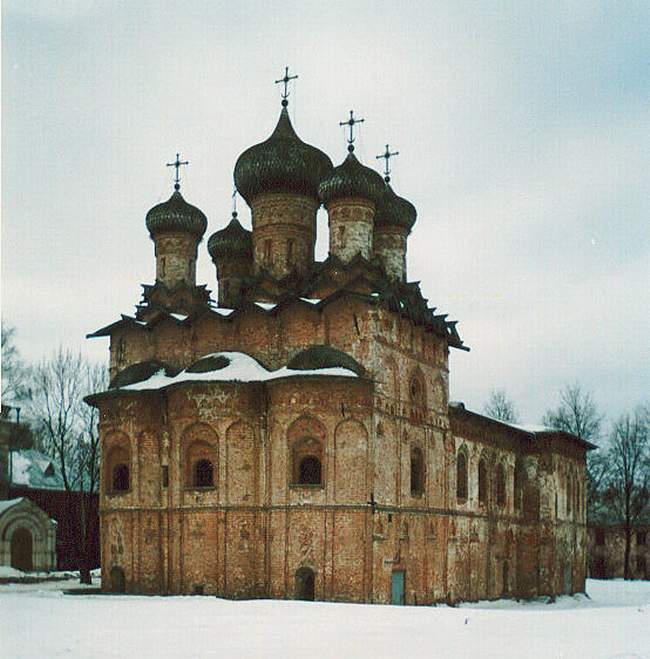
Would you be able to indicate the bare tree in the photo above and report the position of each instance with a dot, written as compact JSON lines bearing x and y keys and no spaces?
{"x":14,"y":372}
{"x":578,"y":415}
{"x":500,"y":406}
{"x":627,"y":491}
{"x":68,"y":431}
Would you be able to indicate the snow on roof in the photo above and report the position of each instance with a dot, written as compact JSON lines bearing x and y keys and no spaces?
{"x":10,"y":503}
{"x":178,"y":316}
{"x":530,"y":427}
{"x":240,"y":368}
{"x":267,"y":306}
{"x":311,"y":300}
{"x":222,"y":311}
{"x":33,"y":469}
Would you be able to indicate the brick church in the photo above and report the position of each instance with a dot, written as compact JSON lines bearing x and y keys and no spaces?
{"x":295,"y":438}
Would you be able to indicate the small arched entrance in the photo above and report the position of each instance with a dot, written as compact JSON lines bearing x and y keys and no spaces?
{"x":305,"y":584}
{"x":21,"y":550}
{"x":118,"y":580}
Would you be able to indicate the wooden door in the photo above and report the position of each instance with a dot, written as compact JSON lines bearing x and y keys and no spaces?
{"x":21,"y":550}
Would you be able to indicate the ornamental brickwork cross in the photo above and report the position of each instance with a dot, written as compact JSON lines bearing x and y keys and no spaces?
{"x":387,"y":155}
{"x":351,"y":123}
{"x":177,"y":164}
{"x":285,"y":80}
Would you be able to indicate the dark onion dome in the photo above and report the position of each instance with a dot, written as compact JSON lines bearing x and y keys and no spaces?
{"x":234,"y":240}
{"x":284,"y":163}
{"x":352,"y":179}
{"x":176,"y":214}
{"x":320,"y":356}
{"x":141,"y":371}
{"x":395,"y":211}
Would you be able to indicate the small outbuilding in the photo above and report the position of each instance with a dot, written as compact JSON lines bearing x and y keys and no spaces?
{"x":27,"y":536}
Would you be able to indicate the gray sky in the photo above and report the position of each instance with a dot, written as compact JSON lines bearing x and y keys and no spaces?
{"x":523,"y":131}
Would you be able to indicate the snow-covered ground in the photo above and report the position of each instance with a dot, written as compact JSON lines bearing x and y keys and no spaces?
{"x":38,"y":620}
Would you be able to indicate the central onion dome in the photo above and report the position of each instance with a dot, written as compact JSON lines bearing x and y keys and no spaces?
{"x":283,"y":163}
{"x":352,"y":179}
{"x":395,"y":211}
{"x":233,"y":240}
{"x":176,"y":214}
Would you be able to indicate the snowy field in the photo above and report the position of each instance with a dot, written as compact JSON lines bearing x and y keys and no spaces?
{"x":38,"y":620}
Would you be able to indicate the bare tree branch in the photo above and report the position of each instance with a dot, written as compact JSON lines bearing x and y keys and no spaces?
{"x":500,"y":406}
{"x":627,"y":486}
{"x":68,"y":430}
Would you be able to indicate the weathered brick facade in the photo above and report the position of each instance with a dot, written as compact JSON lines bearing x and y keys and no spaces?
{"x":357,"y":484}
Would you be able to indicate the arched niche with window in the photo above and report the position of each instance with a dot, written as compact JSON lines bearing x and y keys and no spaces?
{"x":461,"y":476}
{"x":200,"y":457}
{"x":417,"y":471}
{"x":118,"y":468}
{"x":501,"y":485}
{"x":483,"y":490}
{"x":307,"y":461}
{"x":306,"y":452}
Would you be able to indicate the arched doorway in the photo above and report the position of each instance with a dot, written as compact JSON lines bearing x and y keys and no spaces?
{"x":505,"y":578}
{"x":118,"y":580}
{"x":305,"y":584}
{"x":21,"y":549}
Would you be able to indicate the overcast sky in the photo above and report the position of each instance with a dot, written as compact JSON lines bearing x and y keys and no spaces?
{"x":524,"y":137}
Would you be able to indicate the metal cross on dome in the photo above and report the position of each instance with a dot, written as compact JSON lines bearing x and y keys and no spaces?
{"x":177,"y":164}
{"x":387,"y":155}
{"x":285,"y":80}
{"x":351,"y":122}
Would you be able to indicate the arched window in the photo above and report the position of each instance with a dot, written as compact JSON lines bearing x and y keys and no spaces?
{"x":518,"y":486}
{"x":117,"y":468}
{"x":569,"y":495}
{"x":309,"y":471}
{"x":201,"y":459}
{"x":501,"y":486}
{"x":482,"y":482}
{"x":416,"y":393}
{"x":417,"y":471}
{"x":307,"y":457}
{"x":203,"y":473}
{"x":289,"y":260}
{"x":461,"y":476}
{"x":120,"y":478}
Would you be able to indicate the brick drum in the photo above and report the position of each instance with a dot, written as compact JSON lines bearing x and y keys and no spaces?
{"x":346,"y":473}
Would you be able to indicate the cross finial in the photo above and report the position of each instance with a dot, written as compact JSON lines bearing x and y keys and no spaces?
{"x":177,"y":164}
{"x":285,"y":80}
{"x":387,"y":155}
{"x":234,"y":202}
{"x":351,"y":122}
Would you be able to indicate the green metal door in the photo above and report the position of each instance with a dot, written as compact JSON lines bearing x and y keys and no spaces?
{"x":397,"y":589}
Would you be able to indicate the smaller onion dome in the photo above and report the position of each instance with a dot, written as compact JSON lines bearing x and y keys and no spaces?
{"x":322,"y":356}
{"x":283,"y":163}
{"x":352,"y":179}
{"x":176,"y":214}
{"x":234,"y":240}
{"x":395,"y":211}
